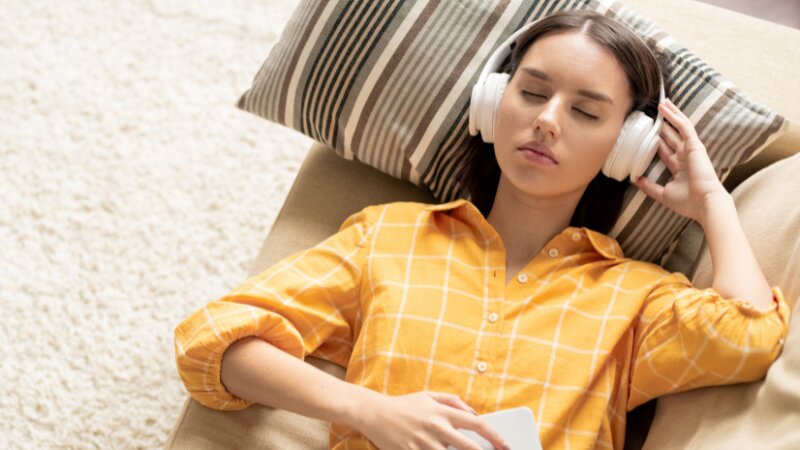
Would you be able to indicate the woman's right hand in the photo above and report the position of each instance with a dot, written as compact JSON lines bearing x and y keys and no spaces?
{"x":423,"y":420}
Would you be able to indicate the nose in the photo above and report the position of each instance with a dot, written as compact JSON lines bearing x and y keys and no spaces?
{"x":546,"y":123}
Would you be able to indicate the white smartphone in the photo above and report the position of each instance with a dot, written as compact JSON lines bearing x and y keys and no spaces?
{"x":516,"y":425}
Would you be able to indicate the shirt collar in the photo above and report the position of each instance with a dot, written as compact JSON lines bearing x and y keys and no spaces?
{"x":606,"y":246}
{"x":447,"y":206}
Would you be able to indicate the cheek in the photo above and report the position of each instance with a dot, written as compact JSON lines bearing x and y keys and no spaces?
{"x":597,"y":146}
{"x":506,"y":116}
{"x":606,"y":141}
{"x":508,"y":122}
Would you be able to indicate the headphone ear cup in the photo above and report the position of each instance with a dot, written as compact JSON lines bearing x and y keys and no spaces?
{"x":489,"y":104}
{"x":474,"y":109}
{"x":631,"y":148}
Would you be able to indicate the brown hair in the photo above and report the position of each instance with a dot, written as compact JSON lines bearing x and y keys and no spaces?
{"x":600,"y":204}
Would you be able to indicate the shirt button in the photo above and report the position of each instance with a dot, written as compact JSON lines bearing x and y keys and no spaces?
{"x":482,"y":366}
{"x":553,"y":252}
{"x":493,"y":317}
{"x":576,"y":237}
{"x":522,"y":278}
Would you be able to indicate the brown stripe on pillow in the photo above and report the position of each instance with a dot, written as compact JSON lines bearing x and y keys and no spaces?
{"x":281,"y":77}
{"x":402,"y":105}
{"x":448,"y":69}
{"x":366,"y":153}
{"x":414,"y":52}
{"x":664,"y":225}
{"x":745,"y":136}
{"x":336,"y":66}
{"x":450,"y":161}
{"x":277,"y":76}
{"x":637,"y":231}
{"x":390,"y":28}
{"x":258,"y":98}
{"x":730,"y":135}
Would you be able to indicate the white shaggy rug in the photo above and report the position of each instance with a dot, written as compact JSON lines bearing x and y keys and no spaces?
{"x":132,"y":191}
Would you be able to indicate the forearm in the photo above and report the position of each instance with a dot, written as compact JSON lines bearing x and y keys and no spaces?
{"x":257,"y":371}
{"x":736,"y":271}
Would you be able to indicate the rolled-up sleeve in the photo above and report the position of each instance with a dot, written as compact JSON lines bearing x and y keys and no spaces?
{"x":687,"y":338}
{"x":307,"y":303}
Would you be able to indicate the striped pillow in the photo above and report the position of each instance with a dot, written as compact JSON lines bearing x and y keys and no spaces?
{"x":388,"y":83}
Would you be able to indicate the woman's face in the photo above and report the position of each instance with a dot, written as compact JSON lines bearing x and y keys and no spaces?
{"x":560,"y":116}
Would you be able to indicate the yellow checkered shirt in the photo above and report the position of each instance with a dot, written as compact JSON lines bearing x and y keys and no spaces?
{"x":410,"y":297}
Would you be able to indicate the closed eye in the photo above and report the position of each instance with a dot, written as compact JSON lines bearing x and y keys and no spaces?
{"x":531,"y":94}
{"x":583,"y":114}
{"x":586,"y":115}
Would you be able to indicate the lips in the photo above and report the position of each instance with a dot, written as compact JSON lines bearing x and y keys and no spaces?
{"x":538,"y":151}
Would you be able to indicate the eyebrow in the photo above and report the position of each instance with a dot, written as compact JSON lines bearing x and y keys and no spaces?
{"x":594,"y":95}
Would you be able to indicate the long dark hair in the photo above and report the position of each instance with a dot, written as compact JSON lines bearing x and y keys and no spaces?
{"x":600,"y":205}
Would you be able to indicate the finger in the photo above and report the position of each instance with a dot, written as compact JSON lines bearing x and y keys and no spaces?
{"x":678,"y":119}
{"x":478,"y":425}
{"x":459,"y":441}
{"x":452,"y":400}
{"x":650,"y":188}
{"x":669,"y":135}
{"x":668,"y":157}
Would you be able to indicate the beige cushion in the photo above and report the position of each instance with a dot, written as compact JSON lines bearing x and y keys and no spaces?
{"x":763,"y":414}
{"x":344,"y":73}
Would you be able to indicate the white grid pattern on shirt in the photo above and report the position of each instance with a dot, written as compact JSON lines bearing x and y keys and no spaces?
{"x":552,"y":361}
{"x":603,"y":322}
{"x":515,"y":327}
{"x":378,"y":354}
{"x":189,"y":342}
{"x":486,"y":299}
{"x":262,"y":284}
{"x":374,"y":231}
{"x":493,"y":334}
{"x":691,"y":358}
{"x":434,"y":258}
{"x":443,"y":308}
{"x":403,"y":299}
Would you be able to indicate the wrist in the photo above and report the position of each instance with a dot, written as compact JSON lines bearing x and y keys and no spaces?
{"x":359,"y":406}
{"x":714,"y":205}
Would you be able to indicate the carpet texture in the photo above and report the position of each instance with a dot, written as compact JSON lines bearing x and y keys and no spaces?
{"x":133,"y":192}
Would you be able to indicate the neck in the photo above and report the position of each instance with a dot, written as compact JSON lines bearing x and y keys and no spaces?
{"x":526,"y":224}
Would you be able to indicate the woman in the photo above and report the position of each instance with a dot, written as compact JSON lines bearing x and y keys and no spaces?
{"x":441,"y":312}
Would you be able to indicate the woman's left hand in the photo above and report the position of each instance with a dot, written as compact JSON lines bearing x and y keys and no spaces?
{"x":694,"y":182}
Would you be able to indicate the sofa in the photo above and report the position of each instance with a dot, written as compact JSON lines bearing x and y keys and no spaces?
{"x":760,"y":57}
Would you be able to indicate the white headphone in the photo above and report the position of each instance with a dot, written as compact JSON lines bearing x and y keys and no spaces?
{"x":636,"y":145}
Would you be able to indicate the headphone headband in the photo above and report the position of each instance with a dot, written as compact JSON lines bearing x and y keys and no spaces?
{"x":497,"y":57}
